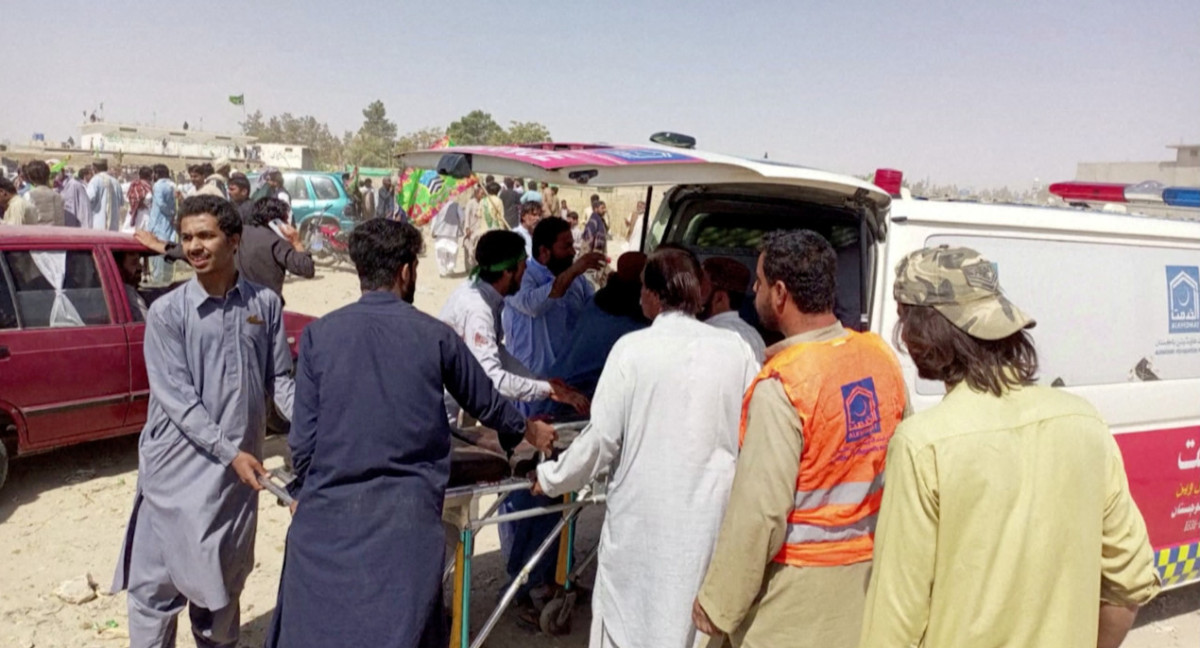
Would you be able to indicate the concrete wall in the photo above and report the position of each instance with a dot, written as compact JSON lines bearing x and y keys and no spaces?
{"x":1167,"y":173}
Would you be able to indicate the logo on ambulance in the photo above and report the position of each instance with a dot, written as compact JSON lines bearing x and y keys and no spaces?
{"x":1183,"y":297}
{"x":862,"y":409}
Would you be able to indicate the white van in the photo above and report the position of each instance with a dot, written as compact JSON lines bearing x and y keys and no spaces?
{"x":1117,"y":298}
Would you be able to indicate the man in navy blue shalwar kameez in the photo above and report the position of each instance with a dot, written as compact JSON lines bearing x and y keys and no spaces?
{"x":371,"y":448}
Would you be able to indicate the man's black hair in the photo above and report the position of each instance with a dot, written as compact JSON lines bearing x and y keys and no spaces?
{"x":529,"y":207}
{"x":267,"y":209}
{"x":205,"y":169}
{"x":806,"y":264}
{"x":497,"y":246}
{"x":161,"y":171}
{"x":492,"y":188}
{"x":100,"y":165}
{"x":228,"y":218}
{"x":379,"y":248}
{"x":7,"y":185}
{"x":489,"y":179}
{"x":547,"y":232}
{"x":240,"y":181}
{"x":508,"y":183}
{"x":595,"y":199}
{"x":85,"y":172}
{"x":145,"y":173}
{"x":37,"y":172}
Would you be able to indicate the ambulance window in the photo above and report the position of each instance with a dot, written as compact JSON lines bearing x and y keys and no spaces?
{"x":1106,"y":314}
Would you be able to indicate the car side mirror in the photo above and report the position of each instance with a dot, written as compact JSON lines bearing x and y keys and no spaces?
{"x":455,"y":165}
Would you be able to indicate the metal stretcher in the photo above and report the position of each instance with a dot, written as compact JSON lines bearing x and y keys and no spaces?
{"x":555,"y":617}
{"x":463,"y":500}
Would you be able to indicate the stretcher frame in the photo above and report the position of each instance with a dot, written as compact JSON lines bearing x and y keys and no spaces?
{"x":464,"y":497}
{"x":571,"y":505}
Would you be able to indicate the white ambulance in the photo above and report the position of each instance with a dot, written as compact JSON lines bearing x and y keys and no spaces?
{"x":1117,"y":298}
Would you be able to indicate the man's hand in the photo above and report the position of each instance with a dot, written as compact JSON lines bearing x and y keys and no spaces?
{"x":701,"y":621}
{"x":536,"y":489}
{"x":292,"y":506}
{"x":589,"y":261}
{"x":560,"y":392}
{"x":151,"y":241}
{"x":292,"y":236}
{"x":541,"y":435}
{"x":248,"y":468}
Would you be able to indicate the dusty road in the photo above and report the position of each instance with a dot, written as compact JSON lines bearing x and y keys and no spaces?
{"x":62,"y":515}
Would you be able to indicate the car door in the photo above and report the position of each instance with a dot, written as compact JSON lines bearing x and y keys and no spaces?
{"x":66,"y":364}
{"x":128,"y":312}
{"x":302,"y":201}
{"x":326,"y":196}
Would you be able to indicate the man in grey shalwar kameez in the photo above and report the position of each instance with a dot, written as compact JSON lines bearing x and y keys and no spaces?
{"x":215,"y":351}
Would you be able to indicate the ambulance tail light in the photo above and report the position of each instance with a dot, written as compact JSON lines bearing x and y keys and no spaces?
{"x":1089,"y":191}
{"x":890,"y":180}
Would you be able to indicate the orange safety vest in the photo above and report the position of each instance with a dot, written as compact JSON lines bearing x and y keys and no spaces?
{"x":849,"y":394}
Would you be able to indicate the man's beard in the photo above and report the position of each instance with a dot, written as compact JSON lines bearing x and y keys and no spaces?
{"x":559,"y":266}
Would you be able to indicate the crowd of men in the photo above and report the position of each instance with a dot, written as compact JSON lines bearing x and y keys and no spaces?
{"x":746,"y":497}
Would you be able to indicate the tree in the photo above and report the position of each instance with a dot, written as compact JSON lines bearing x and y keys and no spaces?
{"x":475,"y":128}
{"x":375,"y":122}
{"x":326,"y":148}
{"x":526,"y":133}
{"x":375,"y":140}
{"x":420,"y":139}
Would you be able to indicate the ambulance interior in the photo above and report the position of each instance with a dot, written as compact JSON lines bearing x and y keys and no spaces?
{"x":715,"y":223}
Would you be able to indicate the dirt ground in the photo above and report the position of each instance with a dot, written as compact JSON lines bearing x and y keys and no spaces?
{"x":62,"y":515}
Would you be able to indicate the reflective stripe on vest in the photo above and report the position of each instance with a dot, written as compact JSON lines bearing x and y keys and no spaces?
{"x":797,"y":533}
{"x":849,"y":396}
{"x":847,"y":493}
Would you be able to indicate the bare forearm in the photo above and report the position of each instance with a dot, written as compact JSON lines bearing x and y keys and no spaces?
{"x":1115,"y":622}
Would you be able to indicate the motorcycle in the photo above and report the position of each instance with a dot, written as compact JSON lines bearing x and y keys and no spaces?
{"x":326,"y":240}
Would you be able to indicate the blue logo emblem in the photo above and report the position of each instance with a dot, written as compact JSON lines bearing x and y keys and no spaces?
{"x":646,"y":155}
{"x":1183,"y":297}
{"x":862,"y":409}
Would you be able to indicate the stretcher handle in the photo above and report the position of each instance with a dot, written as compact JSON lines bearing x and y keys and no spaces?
{"x":278,"y":490}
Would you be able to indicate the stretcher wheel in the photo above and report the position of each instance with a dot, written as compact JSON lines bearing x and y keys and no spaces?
{"x":556,"y":616}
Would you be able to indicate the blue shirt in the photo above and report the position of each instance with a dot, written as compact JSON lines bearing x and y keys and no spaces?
{"x":538,"y":328}
{"x":162,"y":210}
{"x":583,"y":360}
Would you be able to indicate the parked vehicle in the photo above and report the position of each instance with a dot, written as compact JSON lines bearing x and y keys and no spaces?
{"x":71,"y":365}
{"x":326,"y":240}
{"x":315,"y":193}
{"x":1116,"y":297}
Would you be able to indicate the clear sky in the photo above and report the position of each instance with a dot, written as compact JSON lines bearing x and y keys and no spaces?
{"x":972,"y":92}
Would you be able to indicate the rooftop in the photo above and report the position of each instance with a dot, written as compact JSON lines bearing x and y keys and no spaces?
{"x":155,"y":132}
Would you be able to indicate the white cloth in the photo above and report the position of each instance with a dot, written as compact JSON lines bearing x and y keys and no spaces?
{"x":473,"y":311}
{"x":665,"y":422}
{"x":53,"y":266}
{"x":525,"y":234}
{"x":731,"y":321}
{"x":446,"y":250}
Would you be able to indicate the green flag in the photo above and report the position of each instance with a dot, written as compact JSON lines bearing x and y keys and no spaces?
{"x":237,"y":100}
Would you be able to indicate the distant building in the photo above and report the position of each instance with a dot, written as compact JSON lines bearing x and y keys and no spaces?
{"x":1184,"y":171}
{"x":111,"y":138}
{"x":285,"y":156}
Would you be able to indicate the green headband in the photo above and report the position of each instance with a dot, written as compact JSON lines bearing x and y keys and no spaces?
{"x":507,"y":264}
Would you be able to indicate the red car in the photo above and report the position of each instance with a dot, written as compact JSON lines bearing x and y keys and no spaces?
{"x":71,"y":365}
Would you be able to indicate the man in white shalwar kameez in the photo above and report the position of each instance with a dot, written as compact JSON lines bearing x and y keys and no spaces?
{"x":665,"y":423}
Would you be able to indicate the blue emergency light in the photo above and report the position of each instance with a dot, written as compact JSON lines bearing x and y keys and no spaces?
{"x":1182,"y":196}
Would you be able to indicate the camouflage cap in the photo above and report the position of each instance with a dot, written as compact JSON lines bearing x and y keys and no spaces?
{"x":963,"y":286}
